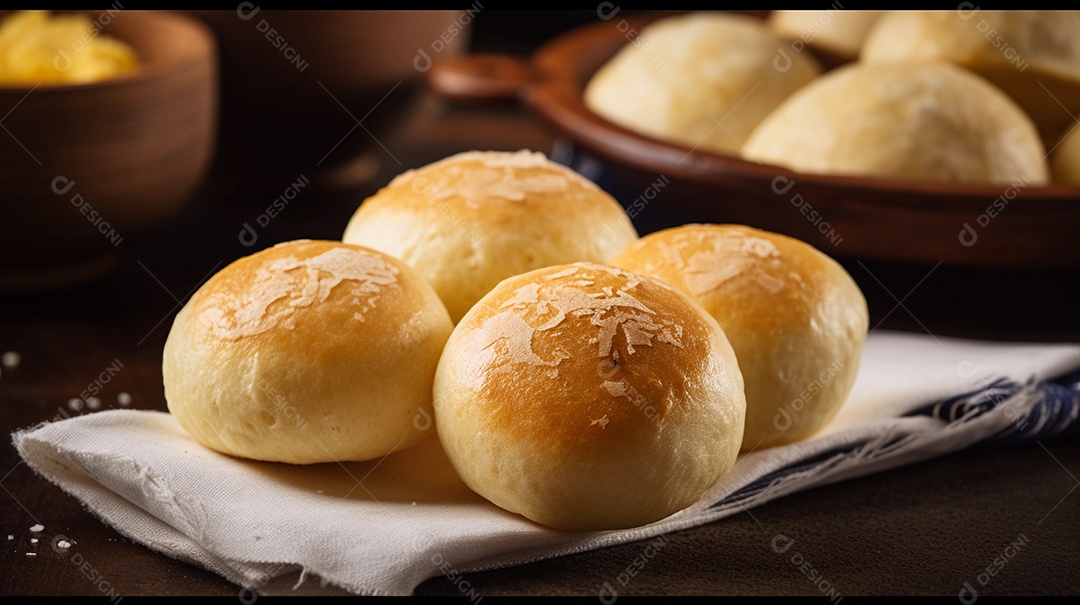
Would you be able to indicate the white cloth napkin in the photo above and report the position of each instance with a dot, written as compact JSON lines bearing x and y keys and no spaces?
{"x":383,"y":527}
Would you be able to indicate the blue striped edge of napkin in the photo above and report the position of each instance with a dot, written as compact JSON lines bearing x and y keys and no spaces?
{"x":1044,"y":410}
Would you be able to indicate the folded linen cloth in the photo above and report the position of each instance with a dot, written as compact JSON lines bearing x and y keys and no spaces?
{"x":383,"y":527}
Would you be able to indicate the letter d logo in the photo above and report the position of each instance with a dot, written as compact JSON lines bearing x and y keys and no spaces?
{"x":247,"y":236}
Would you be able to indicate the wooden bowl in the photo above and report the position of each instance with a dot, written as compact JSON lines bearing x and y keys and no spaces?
{"x":856,"y":217}
{"x":314,"y":92}
{"x":86,"y":167}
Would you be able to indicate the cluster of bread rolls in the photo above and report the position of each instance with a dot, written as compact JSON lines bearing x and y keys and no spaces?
{"x":958,"y":96}
{"x":593,"y":380}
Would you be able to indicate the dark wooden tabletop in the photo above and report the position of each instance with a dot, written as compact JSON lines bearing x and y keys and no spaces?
{"x":928,"y":528}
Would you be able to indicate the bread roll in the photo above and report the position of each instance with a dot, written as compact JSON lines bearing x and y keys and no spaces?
{"x":1065,"y":159}
{"x":1034,"y":56}
{"x":471,"y":220}
{"x":796,"y":319}
{"x":586,"y":397}
{"x":925,"y":121}
{"x":702,"y":80}
{"x":310,"y":351}
{"x":838,"y":34}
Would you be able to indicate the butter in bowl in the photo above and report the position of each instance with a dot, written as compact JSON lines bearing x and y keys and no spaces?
{"x":109,"y":127}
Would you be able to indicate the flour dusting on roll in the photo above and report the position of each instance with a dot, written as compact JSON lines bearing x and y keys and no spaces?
{"x":587,"y":397}
{"x":309,"y":351}
{"x":796,"y":319}
{"x":476,"y":218}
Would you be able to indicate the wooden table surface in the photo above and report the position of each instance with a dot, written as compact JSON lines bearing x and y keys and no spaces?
{"x":922,"y":529}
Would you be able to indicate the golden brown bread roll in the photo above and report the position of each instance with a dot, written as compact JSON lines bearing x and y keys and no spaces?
{"x":587,"y":397}
{"x":473,"y":219}
{"x":794,"y":316}
{"x":926,"y":121}
{"x":1032,"y":55}
{"x":309,"y":351}
{"x":703,"y":80}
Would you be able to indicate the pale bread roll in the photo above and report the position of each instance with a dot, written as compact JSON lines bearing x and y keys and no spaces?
{"x":796,"y":319}
{"x":471,"y":220}
{"x":587,"y":397}
{"x":1065,"y":159}
{"x":925,"y":121}
{"x":1034,"y":56}
{"x":836,"y":33}
{"x":309,"y":351}
{"x":702,"y":80}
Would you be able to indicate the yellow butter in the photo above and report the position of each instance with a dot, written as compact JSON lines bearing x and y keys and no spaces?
{"x":36,"y":47}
